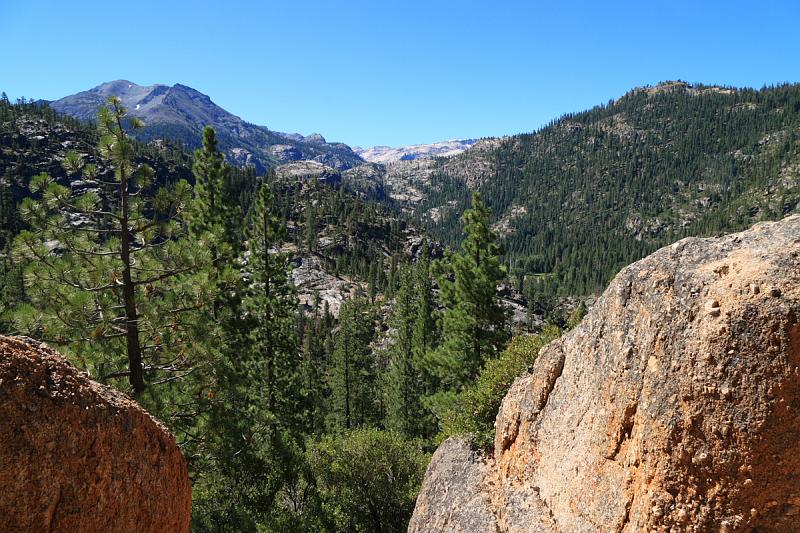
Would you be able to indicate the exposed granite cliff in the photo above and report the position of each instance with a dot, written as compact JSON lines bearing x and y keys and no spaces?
{"x":78,"y":456}
{"x":674,"y":406}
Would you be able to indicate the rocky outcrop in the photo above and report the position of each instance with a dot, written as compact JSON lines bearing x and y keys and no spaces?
{"x":674,"y":406}
{"x":314,"y":281}
{"x":308,"y":170}
{"x":78,"y":456}
{"x":454,"y":497}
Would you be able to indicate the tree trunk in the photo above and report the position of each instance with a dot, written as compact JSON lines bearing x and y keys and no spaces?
{"x":347,"y":385}
{"x":136,"y":376}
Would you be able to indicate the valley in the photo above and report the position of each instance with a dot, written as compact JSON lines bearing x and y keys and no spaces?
{"x":312,"y":322}
{"x":573,"y":202}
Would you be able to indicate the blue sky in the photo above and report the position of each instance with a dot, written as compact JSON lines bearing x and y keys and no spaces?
{"x":394,"y":73}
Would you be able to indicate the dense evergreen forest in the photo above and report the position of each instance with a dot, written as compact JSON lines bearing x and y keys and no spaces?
{"x":593,"y":191}
{"x":168,"y":275}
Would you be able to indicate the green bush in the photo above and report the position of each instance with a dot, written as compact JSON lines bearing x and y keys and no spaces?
{"x":367,"y":479}
{"x":471,"y":412}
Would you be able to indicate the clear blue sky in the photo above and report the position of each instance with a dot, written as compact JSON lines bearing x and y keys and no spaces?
{"x":384,"y":72}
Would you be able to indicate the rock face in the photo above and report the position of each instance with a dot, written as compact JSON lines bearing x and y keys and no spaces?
{"x":78,"y":456}
{"x":313,"y":280}
{"x":308,"y":170}
{"x":674,"y":406}
{"x":454,"y":496}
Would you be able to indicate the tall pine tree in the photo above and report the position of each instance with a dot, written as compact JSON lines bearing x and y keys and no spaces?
{"x":214,"y":211}
{"x":108,"y":266}
{"x":272,"y":303}
{"x":424,"y":321}
{"x":474,"y":319}
{"x":352,"y":377}
{"x":403,"y":386}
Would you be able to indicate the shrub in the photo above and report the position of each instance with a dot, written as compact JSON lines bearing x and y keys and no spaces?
{"x":471,"y":412}
{"x":367,"y":479}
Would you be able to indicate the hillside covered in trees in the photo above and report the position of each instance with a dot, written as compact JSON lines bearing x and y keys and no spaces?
{"x":594,"y":191}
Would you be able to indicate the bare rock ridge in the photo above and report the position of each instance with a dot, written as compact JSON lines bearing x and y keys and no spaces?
{"x":387,"y":155}
{"x":78,"y":456}
{"x":674,"y":406}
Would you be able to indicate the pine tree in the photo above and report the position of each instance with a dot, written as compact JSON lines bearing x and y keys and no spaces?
{"x":425,"y":338}
{"x":351,"y":378}
{"x":372,"y":282}
{"x":424,"y":322}
{"x":392,"y":280}
{"x":314,"y":363}
{"x":214,"y":213}
{"x":311,"y":228}
{"x":403,"y":391}
{"x":8,"y":214}
{"x":474,"y":319}
{"x":118,"y":273}
{"x":272,"y":303}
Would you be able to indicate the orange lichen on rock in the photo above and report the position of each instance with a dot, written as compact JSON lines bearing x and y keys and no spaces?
{"x":79,"y":456}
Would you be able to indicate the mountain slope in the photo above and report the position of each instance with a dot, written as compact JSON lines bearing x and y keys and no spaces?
{"x":180,"y":112}
{"x":351,"y":237}
{"x":593,"y":191}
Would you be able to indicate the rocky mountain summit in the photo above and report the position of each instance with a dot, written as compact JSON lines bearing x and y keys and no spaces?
{"x":79,"y":456}
{"x":674,"y":406}
{"x":180,"y":112}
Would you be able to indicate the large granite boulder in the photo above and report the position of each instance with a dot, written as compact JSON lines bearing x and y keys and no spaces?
{"x":77,"y":456}
{"x":674,"y":406}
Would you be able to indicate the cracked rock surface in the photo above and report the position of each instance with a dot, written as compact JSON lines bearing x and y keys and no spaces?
{"x":674,"y":406}
{"x":79,"y":456}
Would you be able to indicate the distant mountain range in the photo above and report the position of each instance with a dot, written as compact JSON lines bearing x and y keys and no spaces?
{"x":573,"y":201}
{"x":386,"y":154}
{"x":180,"y":112}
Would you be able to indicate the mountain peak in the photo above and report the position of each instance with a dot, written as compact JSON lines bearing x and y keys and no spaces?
{"x":181,"y":112}
{"x":315,"y":138}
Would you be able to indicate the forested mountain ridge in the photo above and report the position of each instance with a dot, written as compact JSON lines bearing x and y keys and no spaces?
{"x":180,"y":113}
{"x":594,"y":191}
